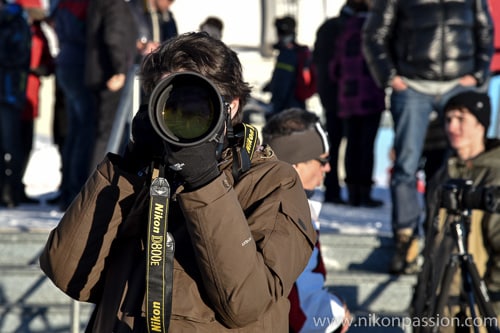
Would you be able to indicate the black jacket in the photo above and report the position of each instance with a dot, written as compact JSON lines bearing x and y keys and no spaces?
{"x":111,"y":37}
{"x":324,"y":45}
{"x":437,"y":40}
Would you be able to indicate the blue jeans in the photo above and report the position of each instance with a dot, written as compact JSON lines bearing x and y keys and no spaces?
{"x":79,"y":142}
{"x":410,"y":111}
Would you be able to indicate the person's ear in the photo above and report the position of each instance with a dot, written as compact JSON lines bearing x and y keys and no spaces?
{"x":233,"y":107}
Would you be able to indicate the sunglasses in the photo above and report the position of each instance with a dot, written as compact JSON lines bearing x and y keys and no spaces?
{"x":323,"y":160}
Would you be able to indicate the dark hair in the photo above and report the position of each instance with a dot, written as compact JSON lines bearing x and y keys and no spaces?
{"x":213,"y":21}
{"x":287,"y":122}
{"x":359,"y":6}
{"x":285,"y":25}
{"x":200,"y":53}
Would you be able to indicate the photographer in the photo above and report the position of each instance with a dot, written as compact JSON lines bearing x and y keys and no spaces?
{"x":475,"y":158}
{"x":239,"y":217}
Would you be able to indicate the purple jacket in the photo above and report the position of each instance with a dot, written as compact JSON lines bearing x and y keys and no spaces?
{"x":358,"y":93}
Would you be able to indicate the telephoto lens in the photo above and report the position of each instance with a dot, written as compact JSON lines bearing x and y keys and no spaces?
{"x":186,"y":109}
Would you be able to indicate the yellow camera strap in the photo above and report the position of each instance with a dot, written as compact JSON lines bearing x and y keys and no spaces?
{"x":247,"y":139}
{"x":160,"y":256}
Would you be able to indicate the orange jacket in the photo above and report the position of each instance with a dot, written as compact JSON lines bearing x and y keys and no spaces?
{"x":41,"y":63}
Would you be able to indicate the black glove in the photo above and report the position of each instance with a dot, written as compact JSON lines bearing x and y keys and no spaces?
{"x":197,"y":165}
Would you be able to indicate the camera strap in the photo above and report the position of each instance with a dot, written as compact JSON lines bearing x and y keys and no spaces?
{"x":160,"y":255}
{"x":242,"y":157}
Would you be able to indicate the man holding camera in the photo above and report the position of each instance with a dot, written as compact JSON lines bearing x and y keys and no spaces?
{"x":239,"y":217}
{"x":474,"y":158}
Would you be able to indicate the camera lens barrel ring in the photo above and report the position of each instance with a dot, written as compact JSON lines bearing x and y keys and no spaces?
{"x":186,"y":109}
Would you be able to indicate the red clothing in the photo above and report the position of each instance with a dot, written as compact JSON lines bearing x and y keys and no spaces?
{"x":495,"y":15}
{"x":41,"y":62}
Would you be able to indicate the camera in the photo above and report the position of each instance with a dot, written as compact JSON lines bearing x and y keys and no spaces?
{"x":186,"y":109}
{"x":460,"y":194}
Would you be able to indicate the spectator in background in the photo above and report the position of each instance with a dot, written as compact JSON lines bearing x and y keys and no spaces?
{"x":41,"y":64}
{"x":285,"y":87}
{"x":69,"y":21}
{"x":360,"y":103}
{"x":155,"y":23}
{"x":424,"y":59}
{"x":475,"y":158}
{"x":494,"y":86}
{"x":297,"y":137}
{"x":59,"y":128}
{"x":15,"y":54}
{"x":111,"y":36}
{"x":213,"y":26}
{"x":323,"y":51}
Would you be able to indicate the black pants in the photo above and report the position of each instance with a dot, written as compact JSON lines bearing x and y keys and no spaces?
{"x":335,"y":128}
{"x":361,"y":132}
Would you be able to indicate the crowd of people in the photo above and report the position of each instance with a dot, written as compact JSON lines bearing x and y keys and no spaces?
{"x":433,"y":73}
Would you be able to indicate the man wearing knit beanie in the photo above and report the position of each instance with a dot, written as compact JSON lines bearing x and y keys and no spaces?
{"x":297,"y":137}
{"x":474,"y":102}
{"x":475,"y":158}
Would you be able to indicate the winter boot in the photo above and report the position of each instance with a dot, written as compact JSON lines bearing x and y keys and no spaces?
{"x":8,"y":195}
{"x":365,"y":199}
{"x":403,"y":240}
{"x":11,"y":191}
{"x":412,"y":257}
{"x":354,"y":195}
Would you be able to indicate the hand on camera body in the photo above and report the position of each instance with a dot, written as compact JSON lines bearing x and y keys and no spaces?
{"x":197,"y":165}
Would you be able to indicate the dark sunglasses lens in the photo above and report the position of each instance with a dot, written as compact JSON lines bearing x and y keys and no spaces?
{"x":323,"y":161}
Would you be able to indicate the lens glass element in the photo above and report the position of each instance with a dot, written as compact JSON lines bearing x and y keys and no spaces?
{"x":189,"y":112}
{"x":186,"y":109}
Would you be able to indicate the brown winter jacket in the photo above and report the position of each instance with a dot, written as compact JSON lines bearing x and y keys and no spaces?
{"x":483,"y":237}
{"x":239,"y":249}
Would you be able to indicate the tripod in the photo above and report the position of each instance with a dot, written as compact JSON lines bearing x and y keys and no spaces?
{"x":473,"y":286}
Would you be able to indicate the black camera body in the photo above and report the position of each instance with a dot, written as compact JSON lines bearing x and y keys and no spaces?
{"x":460,"y":194}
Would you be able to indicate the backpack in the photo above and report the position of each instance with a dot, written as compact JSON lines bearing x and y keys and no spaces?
{"x":306,"y":80}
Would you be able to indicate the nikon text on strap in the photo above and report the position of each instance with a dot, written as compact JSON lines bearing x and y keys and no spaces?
{"x":242,"y":156}
{"x":160,"y":257}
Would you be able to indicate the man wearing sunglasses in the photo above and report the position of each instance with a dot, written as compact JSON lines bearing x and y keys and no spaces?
{"x":297,"y":137}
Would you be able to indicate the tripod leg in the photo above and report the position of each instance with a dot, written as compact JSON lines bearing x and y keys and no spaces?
{"x":481,"y":293}
{"x":449,"y":272}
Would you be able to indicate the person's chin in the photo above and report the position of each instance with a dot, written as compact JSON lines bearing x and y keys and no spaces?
{"x":454,"y":141}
